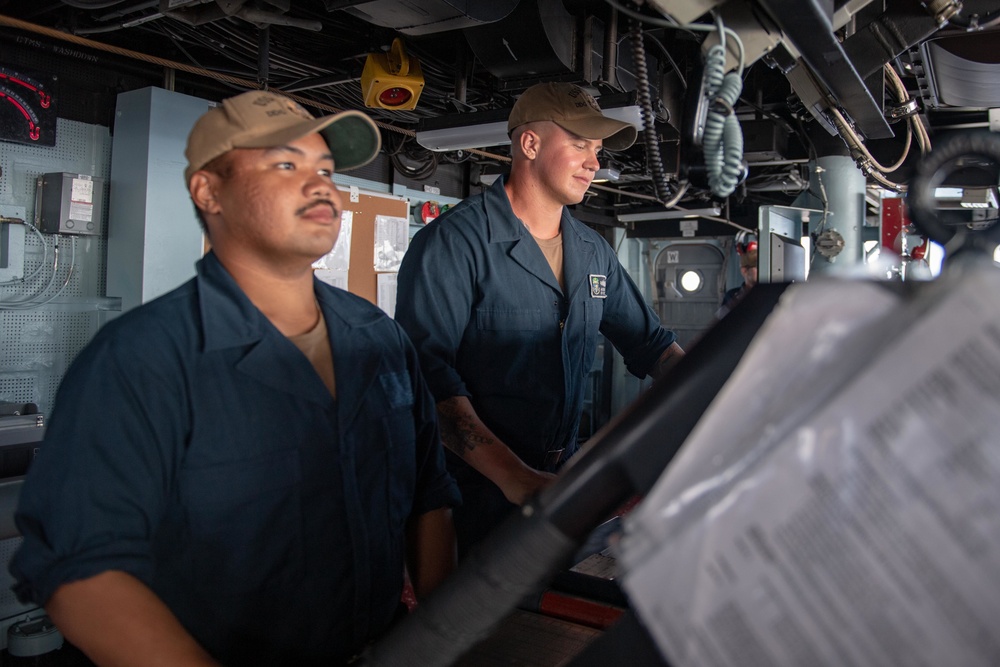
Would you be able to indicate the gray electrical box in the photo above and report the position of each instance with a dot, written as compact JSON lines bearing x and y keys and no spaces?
{"x":69,"y":203}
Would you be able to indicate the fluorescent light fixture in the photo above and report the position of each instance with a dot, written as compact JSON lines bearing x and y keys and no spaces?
{"x":670,"y":214}
{"x":483,"y":129}
{"x":947,"y":193}
{"x":965,"y":198}
{"x":465,"y":136}
{"x":979,"y":198}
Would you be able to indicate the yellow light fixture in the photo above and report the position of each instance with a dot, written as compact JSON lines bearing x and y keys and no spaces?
{"x":391,"y":80}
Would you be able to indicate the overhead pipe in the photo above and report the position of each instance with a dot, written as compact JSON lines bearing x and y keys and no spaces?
{"x":609,"y":63}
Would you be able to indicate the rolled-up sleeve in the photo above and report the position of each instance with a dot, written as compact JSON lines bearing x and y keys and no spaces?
{"x":631,"y":325}
{"x":94,"y":495}
{"x":434,"y":304}
{"x":435,"y":487}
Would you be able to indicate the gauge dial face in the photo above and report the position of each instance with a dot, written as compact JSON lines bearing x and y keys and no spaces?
{"x":27,"y":109}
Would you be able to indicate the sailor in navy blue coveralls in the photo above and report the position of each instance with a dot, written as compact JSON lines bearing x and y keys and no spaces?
{"x":258,"y":507}
{"x":235,"y":471}
{"x":490,"y":322}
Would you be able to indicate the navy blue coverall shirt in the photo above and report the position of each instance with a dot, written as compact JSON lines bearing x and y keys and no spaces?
{"x":194,"y":447}
{"x":490,"y":321}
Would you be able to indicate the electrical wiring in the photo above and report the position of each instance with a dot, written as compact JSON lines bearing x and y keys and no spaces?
{"x":624,"y":193}
{"x":97,"y":4}
{"x":691,"y":27}
{"x":788,"y":182}
{"x":723,"y":137}
{"x":728,"y":222}
{"x":401,"y":147}
{"x":69,"y":275}
{"x":868,"y":164}
{"x":681,"y":191}
{"x":419,"y":173}
{"x":393,"y":144}
{"x":652,"y":20}
{"x":821,"y":227}
{"x":780,"y":120}
{"x":906,"y":151}
{"x":871,"y":166}
{"x":853,"y":140}
{"x":915,"y":122}
{"x":299,"y":57}
{"x":666,"y":53}
{"x":455,"y":157}
{"x":36,"y":301}
{"x":885,"y":182}
{"x":38,"y":269}
{"x":644,"y":98}
{"x":232,"y":44}
{"x":131,"y":9}
{"x":48,"y":285}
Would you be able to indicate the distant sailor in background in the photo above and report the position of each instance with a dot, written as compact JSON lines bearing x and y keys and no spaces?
{"x":748,"y":269}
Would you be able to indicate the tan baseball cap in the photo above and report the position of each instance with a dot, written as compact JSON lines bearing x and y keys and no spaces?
{"x":572,"y":108}
{"x":262,"y":119}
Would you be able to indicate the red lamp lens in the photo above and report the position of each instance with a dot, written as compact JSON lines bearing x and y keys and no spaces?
{"x":394,"y":97}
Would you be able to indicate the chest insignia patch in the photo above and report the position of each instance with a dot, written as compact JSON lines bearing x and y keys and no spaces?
{"x":397,"y":389}
{"x":598,"y":286}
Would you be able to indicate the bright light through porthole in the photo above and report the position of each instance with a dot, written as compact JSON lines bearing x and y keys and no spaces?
{"x":691,"y":281}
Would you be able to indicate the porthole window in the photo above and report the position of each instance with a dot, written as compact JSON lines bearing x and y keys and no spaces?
{"x":691,"y":281}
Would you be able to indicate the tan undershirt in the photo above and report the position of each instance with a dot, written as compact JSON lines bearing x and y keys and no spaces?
{"x":315,"y":344}
{"x":553,"y":251}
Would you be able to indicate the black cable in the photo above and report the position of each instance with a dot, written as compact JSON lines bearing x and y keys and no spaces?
{"x":415,"y":173}
{"x":670,"y":58}
{"x":645,"y":100}
{"x":427,"y":160}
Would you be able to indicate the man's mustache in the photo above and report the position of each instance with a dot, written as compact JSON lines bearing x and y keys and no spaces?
{"x":319,"y":202}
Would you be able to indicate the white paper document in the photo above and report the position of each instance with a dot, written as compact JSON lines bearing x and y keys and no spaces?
{"x":335,"y":277}
{"x":386,"y":288}
{"x":839,"y":503}
{"x":392,"y":237}
{"x":339,"y":257}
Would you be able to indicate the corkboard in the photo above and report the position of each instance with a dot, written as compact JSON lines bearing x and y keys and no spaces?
{"x":361,"y":279}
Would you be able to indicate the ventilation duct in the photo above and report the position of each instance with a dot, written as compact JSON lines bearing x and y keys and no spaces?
{"x":535,"y":40}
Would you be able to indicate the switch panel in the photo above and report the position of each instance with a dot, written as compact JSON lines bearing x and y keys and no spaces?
{"x":69,"y":203}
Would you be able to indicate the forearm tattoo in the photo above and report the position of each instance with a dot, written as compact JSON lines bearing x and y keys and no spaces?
{"x":460,"y":431}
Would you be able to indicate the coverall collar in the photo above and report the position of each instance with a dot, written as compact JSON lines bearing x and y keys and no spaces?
{"x":229,"y":319}
{"x":504,"y":227}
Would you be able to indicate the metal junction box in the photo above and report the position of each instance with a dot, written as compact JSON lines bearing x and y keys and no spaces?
{"x":69,"y":203}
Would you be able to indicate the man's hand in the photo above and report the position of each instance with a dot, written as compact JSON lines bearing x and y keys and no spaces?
{"x":522,"y":484}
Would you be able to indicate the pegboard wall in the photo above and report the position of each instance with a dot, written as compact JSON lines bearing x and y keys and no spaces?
{"x":49,"y":316}
{"x":8,"y":601}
